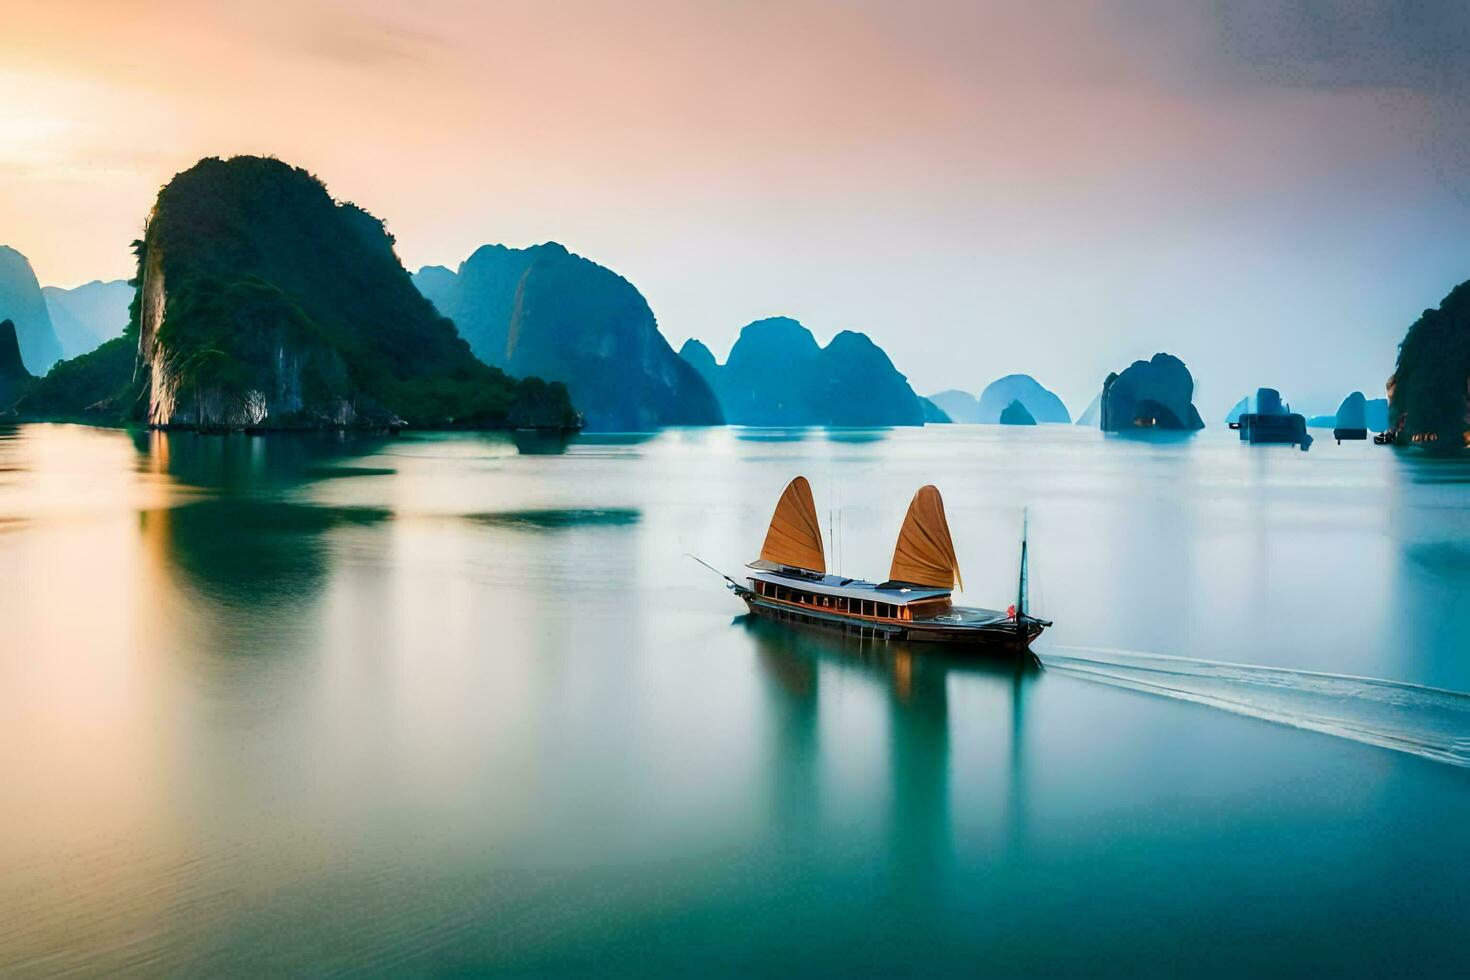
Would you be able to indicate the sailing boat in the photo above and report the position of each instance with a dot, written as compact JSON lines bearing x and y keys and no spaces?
{"x":790,"y":581}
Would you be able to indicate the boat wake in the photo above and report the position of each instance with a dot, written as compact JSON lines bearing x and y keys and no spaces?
{"x":1423,"y":721}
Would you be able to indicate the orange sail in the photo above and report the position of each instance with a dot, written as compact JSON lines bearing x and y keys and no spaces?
{"x":925,"y":552}
{"x":795,"y":537}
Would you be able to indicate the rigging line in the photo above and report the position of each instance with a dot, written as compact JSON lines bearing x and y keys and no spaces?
{"x":713,"y":569}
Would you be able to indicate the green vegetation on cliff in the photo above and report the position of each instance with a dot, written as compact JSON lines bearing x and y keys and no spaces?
{"x":95,"y":387}
{"x":1429,"y":394}
{"x":263,"y":302}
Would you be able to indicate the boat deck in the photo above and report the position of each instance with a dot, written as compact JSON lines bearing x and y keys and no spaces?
{"x":966,"y":616}
{"x":848,"y":588}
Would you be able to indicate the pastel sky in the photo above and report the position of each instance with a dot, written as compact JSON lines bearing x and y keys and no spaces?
{"x":1272,"y":191}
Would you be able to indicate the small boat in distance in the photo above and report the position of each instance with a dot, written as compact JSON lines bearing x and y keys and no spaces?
{"x":790,"y":581}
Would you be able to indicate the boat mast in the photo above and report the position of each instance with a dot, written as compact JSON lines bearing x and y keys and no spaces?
{"x":831,"y":537}
{"x":1021,"y":586}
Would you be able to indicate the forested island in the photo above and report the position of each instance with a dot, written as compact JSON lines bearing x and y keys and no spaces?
{"x":261,"y":302}
{"x":1429,"y":393}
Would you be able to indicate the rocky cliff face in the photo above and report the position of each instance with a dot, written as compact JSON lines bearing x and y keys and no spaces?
{"x":778,"y":375}
{"x":262,"y":302}
{"x":1156,"y":393}
{"x":15,"y":380}
{"x":1429,"y":393}
{"x":88,"y":316}
{"x":1040,"y":403}
{"x":545,"y":311}
{"x":22,"y":302}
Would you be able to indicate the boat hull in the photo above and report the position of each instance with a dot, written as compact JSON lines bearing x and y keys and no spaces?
{"x":1006,"y":634}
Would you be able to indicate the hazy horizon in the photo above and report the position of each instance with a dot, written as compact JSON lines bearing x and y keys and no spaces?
{"x":1272,"y":192}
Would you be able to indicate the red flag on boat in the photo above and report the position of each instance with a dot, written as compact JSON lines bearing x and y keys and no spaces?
{"x":1010,"y":612}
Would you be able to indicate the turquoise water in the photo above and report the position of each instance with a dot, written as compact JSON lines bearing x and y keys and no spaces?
{"x":459,"y":704}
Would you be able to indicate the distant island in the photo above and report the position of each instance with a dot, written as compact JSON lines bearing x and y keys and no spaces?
{"x":778,"y":375}
{"x":24,"y":305}
{"x":545,"y":311}
{"x":1092,"y":415}
{"x":1429,"y":393}
{"x":1016,"y":414}
{"x":959,"y":406}
{"x":1374,"y":414}
{"x":261,"y":302}
{"x":89,"y":315}
{"x":1153,"y":394}
{"x":1040,"y":403}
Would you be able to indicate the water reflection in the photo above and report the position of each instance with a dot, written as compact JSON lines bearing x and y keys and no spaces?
{"x":858,"y":436}
{"x":541,"y":443}
{"x":915,"y":681}
{"x":774,"y":435}
{"x":250,"y":552}
{"x":250,"y":537}
{"x":239,"y":462}
{"x":613,"y":438}
{"x":552,"y":520}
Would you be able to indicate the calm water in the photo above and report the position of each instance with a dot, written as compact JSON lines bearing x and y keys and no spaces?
{"x":460,"y":703}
